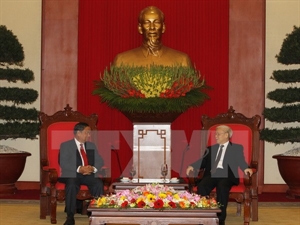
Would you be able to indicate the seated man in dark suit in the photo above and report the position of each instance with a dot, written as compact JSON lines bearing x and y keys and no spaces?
{"x":79,"y":161}
{"x":221,"y":162}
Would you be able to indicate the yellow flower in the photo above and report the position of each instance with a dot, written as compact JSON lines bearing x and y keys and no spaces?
{"x":151,"y":85}
{"x":176,"y":196}
{"x":162,"y":195}
{"x":151,"y":197}
{"x":101,"y":201}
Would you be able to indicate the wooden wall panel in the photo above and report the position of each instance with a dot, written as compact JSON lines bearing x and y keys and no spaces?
{"x":246,"y":61}
{"x":59,"y":55}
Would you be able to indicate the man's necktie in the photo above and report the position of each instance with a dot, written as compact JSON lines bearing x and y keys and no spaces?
{"x":83,"y":154}
{"x":214,"y":168}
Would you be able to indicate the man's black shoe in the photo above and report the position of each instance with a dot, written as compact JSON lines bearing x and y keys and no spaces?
{"x":79,"y":211}
{"x":221,"y":222}
{"x":70,"y":221}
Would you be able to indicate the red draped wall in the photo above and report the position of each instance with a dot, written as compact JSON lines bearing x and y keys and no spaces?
{"x":199,"y":28}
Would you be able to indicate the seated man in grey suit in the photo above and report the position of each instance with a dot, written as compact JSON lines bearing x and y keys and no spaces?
{"x":221,"y":162}
{"x":80,"y":162}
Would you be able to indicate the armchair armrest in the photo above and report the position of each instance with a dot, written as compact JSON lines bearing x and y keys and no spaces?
{"x":196,"y":173}
{"x":104,"y":172}
{"x":105,"y":176}
{"x":247,"y":178}
{"x":49,"y":175}
{"x":194,"y":176}
{"x":254,"y":166}
{"x":191,"y":178}
{"x":44,"y":162}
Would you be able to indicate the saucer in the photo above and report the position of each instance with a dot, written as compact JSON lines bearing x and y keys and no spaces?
{"x":125,"y":180}
{"x":174,"y":180}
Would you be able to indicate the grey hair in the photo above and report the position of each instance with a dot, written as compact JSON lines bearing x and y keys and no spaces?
{"x":227,"y":129}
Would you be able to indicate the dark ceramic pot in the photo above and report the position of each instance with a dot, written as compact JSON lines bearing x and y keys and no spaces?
{"x":289,"y":168}
{"x":11,"y":168}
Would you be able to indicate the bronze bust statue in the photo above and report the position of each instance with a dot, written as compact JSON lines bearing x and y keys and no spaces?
{"x":151,"y":26}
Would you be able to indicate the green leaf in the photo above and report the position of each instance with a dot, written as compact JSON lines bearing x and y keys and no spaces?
{"x":11,"y":49}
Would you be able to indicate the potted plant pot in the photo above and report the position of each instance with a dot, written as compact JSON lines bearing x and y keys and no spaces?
{"x":289,"y":168}
{"x":12,"y":163}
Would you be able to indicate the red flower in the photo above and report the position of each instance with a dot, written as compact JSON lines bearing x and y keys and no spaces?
{"x":193,"y":205}
{"x":172,"y":204}
{"x":141,"y":204}
{"x":175,"y":84}
{"x":124,"y":204}
{"x":131,"y":93}
{"x":158,"y":204}
{"x":132,"y":200}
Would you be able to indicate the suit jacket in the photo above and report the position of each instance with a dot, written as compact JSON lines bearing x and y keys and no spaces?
{"x":233,"y":159}
{"x":69,"y":158}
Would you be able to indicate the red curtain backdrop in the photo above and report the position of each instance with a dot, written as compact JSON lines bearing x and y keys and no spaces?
{"x":197,"y":27}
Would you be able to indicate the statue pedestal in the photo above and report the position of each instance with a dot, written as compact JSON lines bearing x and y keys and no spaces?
{"x":151,"y":148}
{"x":151,"y":142}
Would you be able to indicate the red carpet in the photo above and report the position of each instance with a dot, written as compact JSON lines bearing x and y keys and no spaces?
{"x":265,"y":197}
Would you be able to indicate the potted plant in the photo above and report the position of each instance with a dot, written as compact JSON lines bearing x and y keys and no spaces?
{"x":151,"y":94}
{"x":15,"y":122}
{"x":288,"y":113}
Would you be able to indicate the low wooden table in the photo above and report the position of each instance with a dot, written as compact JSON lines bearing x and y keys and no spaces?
{"x":101,"y":216}
{"x":181,"y":186}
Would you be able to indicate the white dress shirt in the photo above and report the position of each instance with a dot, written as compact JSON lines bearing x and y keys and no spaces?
{"x":220,"y":164}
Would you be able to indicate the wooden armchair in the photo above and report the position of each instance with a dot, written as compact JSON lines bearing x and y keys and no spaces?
{"x":245,"y":132}
{"x":54,"y":130}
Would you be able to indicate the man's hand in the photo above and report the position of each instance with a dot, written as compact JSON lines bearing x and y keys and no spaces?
{"x":86,"y":170}
{"x":188,"y":170}
{"x":248,"y":171}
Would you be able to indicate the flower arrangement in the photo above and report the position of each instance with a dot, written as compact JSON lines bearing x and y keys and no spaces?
{"x":154,"y":89}
{"x":154,"y":196}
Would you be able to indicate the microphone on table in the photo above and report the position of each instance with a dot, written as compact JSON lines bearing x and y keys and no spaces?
{"x":118,"y":158}
{"x":182,"y":158}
